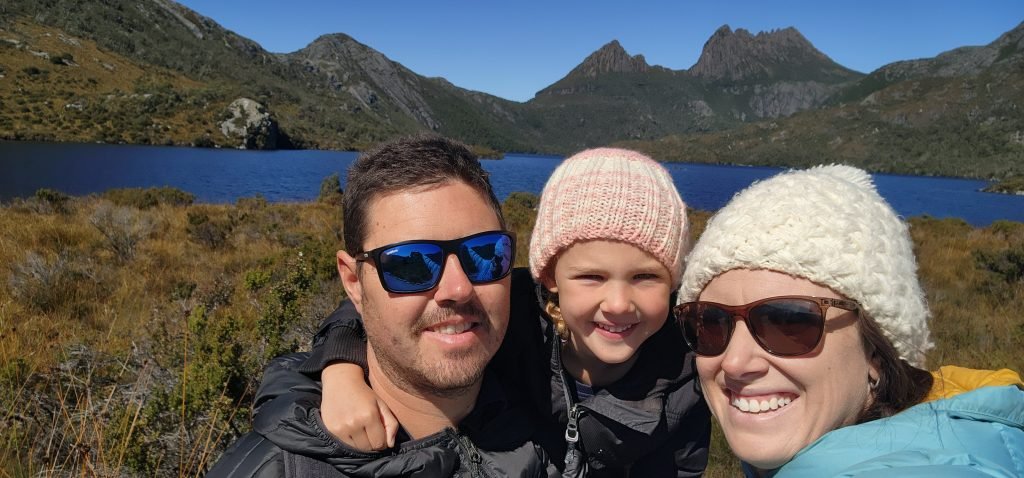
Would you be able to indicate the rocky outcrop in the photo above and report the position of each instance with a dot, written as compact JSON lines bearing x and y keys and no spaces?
{"x":787,"y":97}
{"x":176,"y":11}
{"x":366,"y":74}
{"x":252,"y":125}
{"x":738,"y":56}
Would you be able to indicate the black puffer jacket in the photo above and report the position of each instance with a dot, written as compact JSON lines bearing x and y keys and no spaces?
{"x":494,"y":440}
{"x":653,"y":422}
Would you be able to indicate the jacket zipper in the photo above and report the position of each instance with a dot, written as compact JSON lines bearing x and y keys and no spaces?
{"x":574,"y":463}
{"x":472,"y":453}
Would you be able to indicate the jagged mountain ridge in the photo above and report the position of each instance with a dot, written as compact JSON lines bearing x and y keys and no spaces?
{"x":739,"y":77}
{"x":738,"y":56}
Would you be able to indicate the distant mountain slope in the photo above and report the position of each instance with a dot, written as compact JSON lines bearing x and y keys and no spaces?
{"x":153,"y":71}
{"x":164,"y":34}
{"x":957,"y":114}
{"x":406,"y":99}
{"x":966,"y":61}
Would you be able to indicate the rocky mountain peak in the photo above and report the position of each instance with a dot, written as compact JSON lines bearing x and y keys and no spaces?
{"x":366,"y":74}
{"x":739,"y":55}
{"x":329,"y":46}
{"x":610,"y":58}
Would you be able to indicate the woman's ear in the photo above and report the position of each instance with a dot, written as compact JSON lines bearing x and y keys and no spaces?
{"x":874,"y":365}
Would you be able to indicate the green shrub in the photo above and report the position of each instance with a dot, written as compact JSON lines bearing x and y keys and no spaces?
{"x":256,"y":279}
{"x":520,"y":211}
{"x":283,"y":309}
{"x":203,"y":229}
{"x":54,"y":200}
{"x":203,"y":141}
{"x":33,"y":71}
{"x":198,"y":405}
{"x":1008,"y":265}
{"x":256,"y":202}
{"x":145,"y":198}
{"x":330,"y":190}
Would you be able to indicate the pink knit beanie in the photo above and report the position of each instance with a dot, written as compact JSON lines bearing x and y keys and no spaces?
{"x":610,"y":194}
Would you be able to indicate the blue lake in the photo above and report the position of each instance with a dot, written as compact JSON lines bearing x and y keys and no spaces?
{"x":222,"y":176}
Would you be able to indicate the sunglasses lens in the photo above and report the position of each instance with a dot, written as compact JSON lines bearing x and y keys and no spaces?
{"x":411,"y":267}
{"x":487,"y":257}
{"x":706,"y":328}
{"x":787,"y":326}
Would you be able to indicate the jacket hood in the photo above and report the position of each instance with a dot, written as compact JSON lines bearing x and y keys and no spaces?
{"x":951,"y":380}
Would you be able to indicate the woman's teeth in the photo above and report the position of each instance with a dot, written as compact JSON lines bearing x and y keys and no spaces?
{"x":758,"y":406}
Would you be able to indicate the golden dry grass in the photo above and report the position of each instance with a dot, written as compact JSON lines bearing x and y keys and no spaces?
{"x":105,"y":350}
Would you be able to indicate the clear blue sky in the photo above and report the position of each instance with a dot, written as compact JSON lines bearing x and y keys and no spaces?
{"x":513,"y":49}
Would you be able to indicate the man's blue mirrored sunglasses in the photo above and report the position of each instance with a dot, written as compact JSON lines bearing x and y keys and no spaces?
{"x":416,"y":266}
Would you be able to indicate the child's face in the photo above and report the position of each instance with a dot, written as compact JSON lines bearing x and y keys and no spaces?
{"x":612,"y":296}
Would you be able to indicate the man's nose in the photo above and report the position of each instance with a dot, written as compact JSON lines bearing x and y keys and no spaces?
{"x":454,"y":285}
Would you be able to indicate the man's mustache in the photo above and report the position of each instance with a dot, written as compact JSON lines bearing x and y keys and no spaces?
{"x":471,"y":311}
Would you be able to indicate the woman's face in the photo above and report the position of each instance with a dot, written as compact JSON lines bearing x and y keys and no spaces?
{"x":813,"y":394}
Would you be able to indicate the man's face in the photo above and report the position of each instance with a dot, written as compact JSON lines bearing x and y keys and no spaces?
{"x":440,"y":340}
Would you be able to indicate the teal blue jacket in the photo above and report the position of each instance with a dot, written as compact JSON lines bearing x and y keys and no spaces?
{"x":975,"y":434}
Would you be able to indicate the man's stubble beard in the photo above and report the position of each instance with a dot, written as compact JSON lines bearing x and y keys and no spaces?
{"x":457,"y":374}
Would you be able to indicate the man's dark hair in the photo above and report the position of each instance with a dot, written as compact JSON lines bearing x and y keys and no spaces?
{"x":415,"y":162}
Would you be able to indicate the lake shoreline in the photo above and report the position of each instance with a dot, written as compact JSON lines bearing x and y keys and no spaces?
{"x":222,"y":176}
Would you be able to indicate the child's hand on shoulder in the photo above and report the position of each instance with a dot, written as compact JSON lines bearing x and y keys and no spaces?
{"x":352,"y":412}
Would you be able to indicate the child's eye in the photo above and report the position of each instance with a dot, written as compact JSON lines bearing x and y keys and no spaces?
{"x":589,"y":277}
{"x":646,"y":276}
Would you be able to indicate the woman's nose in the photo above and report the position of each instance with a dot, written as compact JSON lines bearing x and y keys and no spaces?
{"x":743,"y":356}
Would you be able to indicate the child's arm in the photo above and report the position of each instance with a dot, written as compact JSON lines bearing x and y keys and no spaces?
{"x":349,"y":408}
{"x":352,"y":412}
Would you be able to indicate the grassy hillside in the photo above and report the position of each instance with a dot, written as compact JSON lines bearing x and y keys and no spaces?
{"x":56,"y":87}
{"x":965,"y":127}
{"x":134,"y":325}
{"x":162,"y":36}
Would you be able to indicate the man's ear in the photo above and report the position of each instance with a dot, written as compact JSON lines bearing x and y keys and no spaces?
{"x":348,"y":271}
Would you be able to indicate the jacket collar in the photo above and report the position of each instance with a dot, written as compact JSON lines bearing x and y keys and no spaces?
{"x":636,"y":401}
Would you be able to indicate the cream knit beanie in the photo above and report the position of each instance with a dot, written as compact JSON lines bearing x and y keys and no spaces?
{"x":611,"y":194}
{"x":828,"y":225}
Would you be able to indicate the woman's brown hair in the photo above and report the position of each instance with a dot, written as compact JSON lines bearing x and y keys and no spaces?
{"x":900,"y":385}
